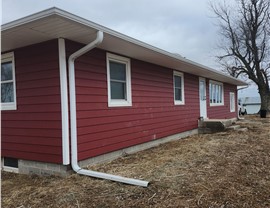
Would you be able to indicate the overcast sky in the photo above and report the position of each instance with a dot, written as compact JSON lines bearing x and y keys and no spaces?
{"x":179,"y":26}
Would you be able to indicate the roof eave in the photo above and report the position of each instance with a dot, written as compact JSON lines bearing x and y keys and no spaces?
{"x":144,"y":46}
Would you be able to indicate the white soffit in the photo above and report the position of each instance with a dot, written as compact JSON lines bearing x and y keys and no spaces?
{"x":55,"y":23}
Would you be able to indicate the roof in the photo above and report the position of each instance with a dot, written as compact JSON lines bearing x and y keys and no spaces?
{"x":251,"y":100}
{"x":55,"y":23}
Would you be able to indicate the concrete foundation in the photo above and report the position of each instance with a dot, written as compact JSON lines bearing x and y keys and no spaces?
{"x":38,"y":168}
{"x":44,"y":169}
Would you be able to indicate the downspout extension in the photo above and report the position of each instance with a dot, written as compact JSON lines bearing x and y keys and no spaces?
{"x":73,"y":121}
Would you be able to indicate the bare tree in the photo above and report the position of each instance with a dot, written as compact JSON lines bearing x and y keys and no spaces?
{"x":245,"y":32}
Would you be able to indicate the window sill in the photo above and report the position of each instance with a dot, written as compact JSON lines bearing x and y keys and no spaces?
{"x":179,"y":102}
{"x":10,"y":169}
{"x":11,"y":106}
{"x":119,"y":103}
{"x":216,"y":104}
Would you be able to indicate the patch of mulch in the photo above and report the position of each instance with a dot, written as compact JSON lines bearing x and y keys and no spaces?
{"x":226,"y":169}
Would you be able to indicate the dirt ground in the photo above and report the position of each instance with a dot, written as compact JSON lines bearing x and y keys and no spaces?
{"x":224,"y":170}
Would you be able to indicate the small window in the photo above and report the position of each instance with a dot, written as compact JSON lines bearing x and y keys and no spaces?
{"x":216,"y":93}
{"x":8,"y":85}
{"x":232,"y":102}
{"x":118,"y":80}
{"x":178,"y":85}
{"x":10,"y":164}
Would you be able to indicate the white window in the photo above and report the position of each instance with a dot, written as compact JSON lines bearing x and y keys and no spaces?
{"x":216,"y":93}
{"x":178,"y":85}
{"x":118,"y":80}
{"x":10,"y":164}
{"x":8,"y":85}
{"x":232,"y":102}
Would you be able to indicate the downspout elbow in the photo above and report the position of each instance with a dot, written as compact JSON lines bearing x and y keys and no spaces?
{"x":87,"y":48}
{"x":75,"y":167}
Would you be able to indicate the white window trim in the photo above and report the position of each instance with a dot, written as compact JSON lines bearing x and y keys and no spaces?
{"x":232,"y":104}
{"x":8,"y":168}
{"x":177,"y":102}
{"x":119,"y":102}
{"x":6,"y":58}
{"x":222,"y":96}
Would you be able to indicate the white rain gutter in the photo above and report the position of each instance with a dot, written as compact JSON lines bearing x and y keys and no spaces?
{"x":73,"y":121}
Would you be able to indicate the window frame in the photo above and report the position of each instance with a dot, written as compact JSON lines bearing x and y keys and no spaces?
{"x":119,"y":102}
{"x":179,"y":74}
{"x":9,"y":168}
{"x":9,"y":57}
{"x":217,"y":87}
{"x":232,"y":104}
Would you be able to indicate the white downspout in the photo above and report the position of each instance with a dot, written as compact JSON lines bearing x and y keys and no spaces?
{"x":73,"y":121}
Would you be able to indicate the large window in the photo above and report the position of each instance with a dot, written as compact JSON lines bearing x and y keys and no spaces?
{"x":178,"y":83}
{"x":8,"y":85}
{"x":119,"y":81}
{"x":232,"y":102}
{"x":216,"y":93}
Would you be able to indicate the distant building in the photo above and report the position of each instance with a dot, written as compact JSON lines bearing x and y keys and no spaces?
{"x":252,"y":104}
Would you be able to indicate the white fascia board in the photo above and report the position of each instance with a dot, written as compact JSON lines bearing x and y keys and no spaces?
{"x":30,"y":18}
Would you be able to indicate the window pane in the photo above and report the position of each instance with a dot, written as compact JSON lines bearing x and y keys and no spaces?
{"x":7,"y":93}
{"x":177,"y":81}
{"x":217,"y":94}
{"x":213,"y":93}
{"x":210,"y":92}
{"x":232,"y":101}
{"x":178,"y":94}
{"x":117,"y":71}
{"x":6,"y":71}
{"x":118,"y":90}
{"x":220,"y":93}
{"x":202,"y":90}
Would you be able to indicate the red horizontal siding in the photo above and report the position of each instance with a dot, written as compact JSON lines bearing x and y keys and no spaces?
{"x":38,"y":91}
{"x":153,"y":114}
{"x":152,"y":132}
{"x":33,"y":148}
{"x":39,"y":83}
{"x":31,"y":124}
{"x":32,"y":156}
{"x":143,"y":119}
{"x":39,"y":108}
{"x":39,"y":132}
{"x":33,"y":131}
{"x":34,"y":140}
{"x":25,"y":116}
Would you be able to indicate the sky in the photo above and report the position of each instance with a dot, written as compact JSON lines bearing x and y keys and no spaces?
{"x":179,"y":26}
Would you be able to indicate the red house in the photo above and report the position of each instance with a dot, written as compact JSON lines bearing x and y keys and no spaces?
{"x":75,"y":92}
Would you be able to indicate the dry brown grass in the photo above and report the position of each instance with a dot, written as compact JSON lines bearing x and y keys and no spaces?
{"x":227,"y":169}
